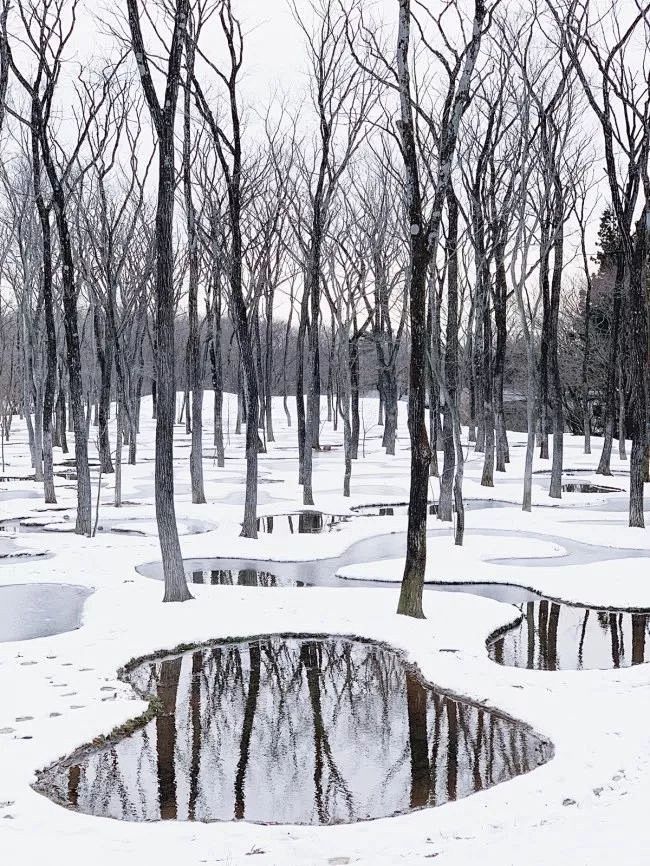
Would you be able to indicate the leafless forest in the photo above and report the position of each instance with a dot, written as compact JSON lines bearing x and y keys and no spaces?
{"x":453,"y":211}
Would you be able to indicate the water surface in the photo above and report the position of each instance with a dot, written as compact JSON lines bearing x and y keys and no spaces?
{"x":294,"y":730}
{"x":554,"y":637}
{"x":31,"y":610}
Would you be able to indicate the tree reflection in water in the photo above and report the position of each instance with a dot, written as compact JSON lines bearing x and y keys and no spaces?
{"x":554,"y":637}
{"x":302,"y":522}
{"x":236,"y":577}
{"x":290,"y":730}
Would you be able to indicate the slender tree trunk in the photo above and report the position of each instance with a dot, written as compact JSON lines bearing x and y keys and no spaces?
{"x":50,"y":326}
{"x":451,"y":362}
{"x":604,"y":464}
{"x":195,"y":369}
{"x":164,"y":119}
{"x":501,"y":293}
{"x":104,"y":349}
{"x":216,"y":360}
{"x":531,"y":420}
{"x":638,"y":347}
{"x":555,"y":491}
{"x":621,"y":412}
{"x":268,"y":367}
{"x":300,"y":383}
{"x":354,"y":396}
{"x":119,"y":436}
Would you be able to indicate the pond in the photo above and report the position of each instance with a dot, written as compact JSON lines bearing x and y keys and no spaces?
{"x":293,"y":730}
{"x":399,"y":509}
{"x":301,"y":522}
{"x":586,"y":487}
{"x":241,"y":577}
{"x":556,"y":637}
{"x":31,"y":610}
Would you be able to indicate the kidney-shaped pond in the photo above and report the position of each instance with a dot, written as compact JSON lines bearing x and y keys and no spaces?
{"x":31,"y":610}
{"x":299,"y":730}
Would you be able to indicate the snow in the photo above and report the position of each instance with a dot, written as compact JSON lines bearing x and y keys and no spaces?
{"x":585,"y":806}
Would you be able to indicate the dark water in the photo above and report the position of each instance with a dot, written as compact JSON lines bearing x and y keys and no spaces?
{"x":586,"y":487}
{"x":294,"y":730}
{"x":241,"y":577}
{"x":398,"y":509}
{"x":301,"y":522}
{"x":32,"y":610}
{"x":556,"y":637}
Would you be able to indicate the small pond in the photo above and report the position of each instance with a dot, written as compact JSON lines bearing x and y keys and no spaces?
{"x":586,"y":487}
{"x":556,"y":637}
{"x":302,"y":522}
{"x":240,"y":577}
{"x":293,"y":730}
{"x":31,"y":610}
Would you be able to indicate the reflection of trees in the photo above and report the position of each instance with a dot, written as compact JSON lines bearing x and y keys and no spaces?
{"x":583,"y":632}
{"x":328,"y":780}
{"x":295,"y":730}
{"x":304,"y":522}
{"x":416,"y":702}
{"x":170,"y":670}
{"x":552,"y":636}
{"x":639,"y":625}
{"x":247,"y":726}
{"x":234,"y":577}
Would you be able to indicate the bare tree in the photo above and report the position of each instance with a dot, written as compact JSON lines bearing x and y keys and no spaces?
{"x":163,"y":117}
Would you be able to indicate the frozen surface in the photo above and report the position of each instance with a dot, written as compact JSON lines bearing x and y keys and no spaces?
{"x":34,"y":610}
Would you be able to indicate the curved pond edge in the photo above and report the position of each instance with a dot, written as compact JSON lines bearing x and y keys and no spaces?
{"x":154,"y":707}
{"x":441,"y":584}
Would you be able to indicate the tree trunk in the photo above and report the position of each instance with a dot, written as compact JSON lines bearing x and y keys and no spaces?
{"x":195,"y":368}
{"x":451,"y":363}
{"x":164,"y":119}
{"x":354,"y":396}
{"x":604,"y":464}
{"x":555,"y":491}
{"x":104,"y":349}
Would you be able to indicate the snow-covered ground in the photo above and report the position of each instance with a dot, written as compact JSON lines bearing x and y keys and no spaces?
{"x":585,"y":806}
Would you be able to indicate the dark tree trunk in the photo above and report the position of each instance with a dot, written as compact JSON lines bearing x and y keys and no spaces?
{"x":215,"y":357}
{"x":300,"y":383}
{"x":71,"y":325}
{"x":638,"y":347}
{"x":193,"y":349}
{"x":423,"y":248}
{"x":500,"y":306}
{"x":268,"y":366}
{"x":164,"y":121}
{"x":451,"y":361}
{"x":48,"y":305}
{"x":61,"y":414}
{"x":555,"y":491}
{"x":104,"y":348}
{"x":604,"y":464}
{"x":354,"y":397}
